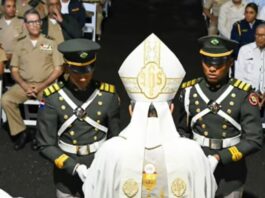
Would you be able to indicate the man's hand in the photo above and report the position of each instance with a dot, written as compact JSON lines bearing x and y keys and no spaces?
{"x":214,"y":160}
{"x":82,"y":171}
{"x":57,"y":15}
{"x":28,"y":89}
{"x":37,"y":88}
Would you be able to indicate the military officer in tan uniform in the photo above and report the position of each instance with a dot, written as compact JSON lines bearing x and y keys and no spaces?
{"x":3,"y":58}
{"x":211,"y":10}
{"x":222,"y":115}
{"x":35,"y":64}
{"x":78,"y":116}
{"x":11,"y":28}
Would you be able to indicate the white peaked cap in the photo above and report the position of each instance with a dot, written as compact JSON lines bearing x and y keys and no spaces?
{"x":151,"y":72}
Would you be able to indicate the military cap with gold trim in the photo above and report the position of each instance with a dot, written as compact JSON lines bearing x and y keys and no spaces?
{"x":216,"y":50}
{"x":79,"y":54}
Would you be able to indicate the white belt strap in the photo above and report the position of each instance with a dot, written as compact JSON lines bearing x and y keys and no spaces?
{"x":82,"y":149}
{"x":73,"y":105}
{"x":187,"y":103}
{"x":95,"y":124}
{"x":199,"y":115}
{"x":69,"y":121}
{"x":216,"y":143}
{"x":218,"y":100}
{"x":201,"y":94}
{"x":229,"y":119}
{"x":225,"y":94}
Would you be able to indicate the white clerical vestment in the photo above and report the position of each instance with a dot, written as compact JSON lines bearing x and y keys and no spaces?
{"x":118,"y":167}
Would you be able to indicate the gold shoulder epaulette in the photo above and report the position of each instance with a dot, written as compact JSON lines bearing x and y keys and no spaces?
{"x":52,"y":89}
{"x":189,"y":83}
{"x":107,"y":87}
{"x":241,"y":85}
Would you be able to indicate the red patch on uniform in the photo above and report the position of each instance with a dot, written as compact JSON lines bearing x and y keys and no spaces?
{"x":253,"y":99}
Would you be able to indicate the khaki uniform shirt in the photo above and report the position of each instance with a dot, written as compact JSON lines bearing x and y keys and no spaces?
{"x":9,"y":34}
{"x":55,"y":32}
{"x":2,"y":56}
{"x":23,"y":7}
{"x":214,"y":5}
{"x":35,"y":64}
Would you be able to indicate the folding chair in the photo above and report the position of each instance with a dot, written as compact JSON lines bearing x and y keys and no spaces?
{"x":91,"y":27}
{"x":30,"y":117}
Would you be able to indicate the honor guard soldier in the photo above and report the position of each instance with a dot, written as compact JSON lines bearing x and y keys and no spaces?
{"x":149,"y":158}
{"x":76,"y":117}
{"x":222,"y":115}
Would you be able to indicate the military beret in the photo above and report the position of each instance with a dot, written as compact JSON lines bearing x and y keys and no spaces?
{"x":216,"y":50}
{"x":79,"y":54}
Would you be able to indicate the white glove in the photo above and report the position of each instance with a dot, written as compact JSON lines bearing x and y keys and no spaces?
{"x":82,"y":171}
{"x":213,"y":162}
{"x":4,"y":194}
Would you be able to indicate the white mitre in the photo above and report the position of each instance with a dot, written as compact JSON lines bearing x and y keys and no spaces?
{"x":151,"y":74}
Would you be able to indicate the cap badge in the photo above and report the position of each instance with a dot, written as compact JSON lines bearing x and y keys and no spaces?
{"x":215,"y":41}
{"x":83,"y":55}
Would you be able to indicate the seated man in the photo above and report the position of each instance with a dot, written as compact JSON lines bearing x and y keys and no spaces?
{"x":149,"y":158}
{"x":35,"y":64}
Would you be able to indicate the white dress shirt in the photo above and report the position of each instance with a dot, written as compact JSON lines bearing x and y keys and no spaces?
{"x":261,"y":14}
{"x":250,"y":66}
{"x":229,"y":14}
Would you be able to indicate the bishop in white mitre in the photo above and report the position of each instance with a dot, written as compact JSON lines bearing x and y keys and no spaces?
{"x":149,"y":159}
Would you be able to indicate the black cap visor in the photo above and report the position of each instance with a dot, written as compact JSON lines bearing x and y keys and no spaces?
{"x":81,"y":70}
{"x":215,"y":61}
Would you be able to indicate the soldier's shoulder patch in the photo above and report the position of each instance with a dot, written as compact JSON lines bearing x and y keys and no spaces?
{"x":253,"y":99}
{"x":241,"y":85}
{"x":190,"y":83}
{"x":52,"y":89}
{"x":107,"y":87}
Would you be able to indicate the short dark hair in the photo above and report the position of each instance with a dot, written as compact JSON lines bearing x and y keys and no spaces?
{"x":31,"y":11}
{"x":4,"y":2}
{"x":253,"y":6}
{"x":262,"y":25}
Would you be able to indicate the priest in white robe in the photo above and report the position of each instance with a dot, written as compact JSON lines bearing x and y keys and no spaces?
{"x":149,"y":158}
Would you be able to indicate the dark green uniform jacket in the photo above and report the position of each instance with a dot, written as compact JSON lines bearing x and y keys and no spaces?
{"x":241,"y":105}
{"x":104,"y":110}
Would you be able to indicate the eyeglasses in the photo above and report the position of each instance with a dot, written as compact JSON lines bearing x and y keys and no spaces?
{"x":37,"y":22}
